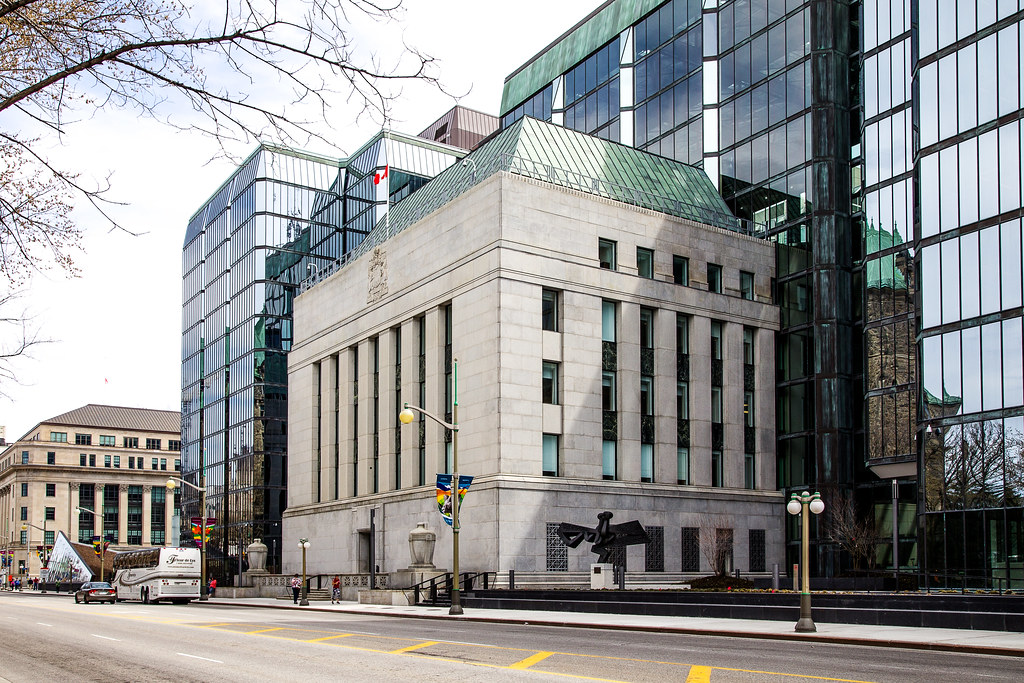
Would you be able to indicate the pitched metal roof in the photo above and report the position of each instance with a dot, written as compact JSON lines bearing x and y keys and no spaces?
{"x":114,"y":417}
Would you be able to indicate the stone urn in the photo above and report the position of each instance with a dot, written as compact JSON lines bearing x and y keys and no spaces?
{"x":421,"y":547}
{"x":257,"y":553}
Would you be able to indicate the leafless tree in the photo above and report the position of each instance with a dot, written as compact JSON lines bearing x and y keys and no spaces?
{"x":18,"y":335}
{"x":244,"y":69}
{"x":855,"y":533}
{"x":715,"y":537}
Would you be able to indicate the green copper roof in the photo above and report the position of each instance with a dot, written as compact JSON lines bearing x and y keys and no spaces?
{"x":563,"y":157}
{"x":591,"y":33}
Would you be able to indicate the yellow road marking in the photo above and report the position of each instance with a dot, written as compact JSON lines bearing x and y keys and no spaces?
{"x":317,"y":640}
{"x":699,"y":674}
{"x":265,"y":630}
{"x":530,"y":661}
{"x":412,"y":647}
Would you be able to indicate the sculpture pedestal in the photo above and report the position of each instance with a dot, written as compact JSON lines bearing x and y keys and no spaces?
{"x":602,"y":575}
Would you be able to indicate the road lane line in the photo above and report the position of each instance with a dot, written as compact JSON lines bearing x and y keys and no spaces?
{"x":266,"y":630}
{"x":96,"y":635}
{"x":699,"y":674}
{"x":42,"y":624}
{"x":318,"y":640}
{"x":412,"y":647}
{"x":530,"y":661}
{"x":207,"y":659}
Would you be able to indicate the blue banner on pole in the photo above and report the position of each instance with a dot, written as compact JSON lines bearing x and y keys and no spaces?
{"x":444,"y":494}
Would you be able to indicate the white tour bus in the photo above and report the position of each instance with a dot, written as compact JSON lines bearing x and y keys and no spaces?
{"x":153,"y":574}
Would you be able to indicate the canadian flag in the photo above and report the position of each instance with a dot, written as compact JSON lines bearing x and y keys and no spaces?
{"x":377,"y":177}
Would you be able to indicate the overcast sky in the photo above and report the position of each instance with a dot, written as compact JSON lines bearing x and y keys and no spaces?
{"x":117,"y":328}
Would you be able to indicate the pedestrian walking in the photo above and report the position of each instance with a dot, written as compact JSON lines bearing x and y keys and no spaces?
{"x":296,"y":584}
{"x":336,"y":590}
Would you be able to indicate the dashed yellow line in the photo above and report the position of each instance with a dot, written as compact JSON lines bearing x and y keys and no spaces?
{"x":699,"y":674}
{"x":412,"y":647}
{"x":530,"y":661}
{"x":265,"y":630}
{"x":318,"y":640}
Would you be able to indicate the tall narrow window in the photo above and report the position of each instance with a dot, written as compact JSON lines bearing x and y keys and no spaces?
{"x":716,"y":405}
{"x":550,"y":456}
{"x":748,"y":346}
{"x":748,"y":408}
{"x":683,"y":400}
{"x":608,"y":321}
{"x":747,"y":285}
{"x":646,"y":395}
{"x":646,"y":462}
{"x":682,"y":334}
{"x":682,"y":465}
{"x":608,"y":459}
{"x":645,"y":263}
{"x":749,"y":480}
{"x":549,"y":310}
{"x":646,"y":328}
{"x":714,"y":278}
{"x":716,"y":468}
{"x":549,"y":383}
{"x":606,"y":254}
{"x":680,"y":270}
{"x":608,"y":390}
{"x":716,"y":340}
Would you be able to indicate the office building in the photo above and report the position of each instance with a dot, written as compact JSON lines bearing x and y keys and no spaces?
{"x":283,"y":216}
{"x":600,"y":320}
{"x":878,"y":159}
{"x":111,"y":462}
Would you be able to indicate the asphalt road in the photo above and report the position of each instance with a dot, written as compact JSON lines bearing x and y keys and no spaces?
{"x":45,"y":638}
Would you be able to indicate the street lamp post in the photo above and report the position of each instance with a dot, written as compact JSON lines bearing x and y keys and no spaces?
{"x":406,"y":417}
{"x":45,"y":555}
{"x":800,"y":503}
{"x":304,"y":545}
{"x":102,"y":552}
{"x":171,"y":485}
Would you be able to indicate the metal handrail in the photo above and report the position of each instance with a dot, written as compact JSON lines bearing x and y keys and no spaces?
{"x":443,"y":583}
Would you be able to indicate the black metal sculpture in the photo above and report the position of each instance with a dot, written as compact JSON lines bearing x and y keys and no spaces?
{"x":604,"y":536}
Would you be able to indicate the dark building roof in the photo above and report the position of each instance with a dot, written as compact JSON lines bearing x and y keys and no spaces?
{"x":115,"y":417}
{"x":461,"y":127}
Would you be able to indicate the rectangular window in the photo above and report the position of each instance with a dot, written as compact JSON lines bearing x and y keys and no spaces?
{"x":682,"y":400}
{"x":173,"y":445}
{"x":716,"y":405}
{"x":24,"y":540}
{"x":608,"y":390}
{"x":81,"y":439}
{"x":549,"y":310}
{"x":646,"y":395}
{"x":756,"y":546}
{"x":51,"y":514}
{"x":690,"y":549}
{"x":549,"y":383}
{"x":716,"y":469}
{"x":748,"y":408}
{"x":155,"y":465}
{"x":646,"y":328}
{"x":51,"y":490}
{"x":24,"y":488}
{"x":608,"y":321}
{"x":682,"y":333}
{"x":163,"y":464}
{"x":748,"y":471}
{"x":716,"y":340}
{"x":131,"y":462}
{"x":117,"y":461}
{"x":152,"y":444}
{"x":645,"y":263}
{"x":48,"y":537}
{"x":24,"y":457}
{"x":51,"y":458}
{"x":177,"y":465}
{"x":157,"y":516}
{"x":747,"y":285}
{"x":608,"y":457}
{"x":714,"y":278}
{"x":59,"y":437}
{"x":606,"y":254}
{"x":108,"y":440}
{"x":131,"y":442}
{"x":106,"y":461}
{"x":24,"y":514}
{"x":550,"y":457}
{"x":647,"y":462}
{"x":92,"y":460}
{"x":681,"y":270}
{"x":748,"y":346}
{"x":682,"y":465}
{"x":82,"y":459}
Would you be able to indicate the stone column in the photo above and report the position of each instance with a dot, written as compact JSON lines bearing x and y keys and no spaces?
{"x":346,"y":423}
{"x":665,"y":397}
{"x":147,"y":515}
{"x":628,"y":336}
{"x":435,"y":443}
{"x":364,"y":427}
{"x":387,"y":419}
{"x":700,"y":400}
{"x":410,"y":394}
{"x":329,"y":399}
{"x":122,"y":514}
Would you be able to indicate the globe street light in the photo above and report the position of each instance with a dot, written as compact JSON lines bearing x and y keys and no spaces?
{"x":407,"y":416}
{"x":45,"y":555}
{"x":172,"y":483}
{"x":102,"y":552}
{"x":304,"y":545}
{"x":797,"y":504}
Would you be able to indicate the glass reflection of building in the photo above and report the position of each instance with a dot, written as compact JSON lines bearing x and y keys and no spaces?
{"x":283,"y":217}
{"x":872,"y":168}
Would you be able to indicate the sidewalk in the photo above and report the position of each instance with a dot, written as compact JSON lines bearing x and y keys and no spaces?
{"x":954,"y":640}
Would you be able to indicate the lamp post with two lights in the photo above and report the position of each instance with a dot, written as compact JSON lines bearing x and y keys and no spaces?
{"x":801,"y":503}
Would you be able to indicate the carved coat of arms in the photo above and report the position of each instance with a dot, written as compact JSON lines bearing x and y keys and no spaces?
{"x":377,"y":276}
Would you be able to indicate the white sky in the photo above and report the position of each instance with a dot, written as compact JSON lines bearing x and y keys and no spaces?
{"x":117,"y":328}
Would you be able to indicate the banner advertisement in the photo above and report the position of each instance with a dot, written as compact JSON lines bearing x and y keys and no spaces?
{"x":197,"y":530}
{"x":444,"y":494}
